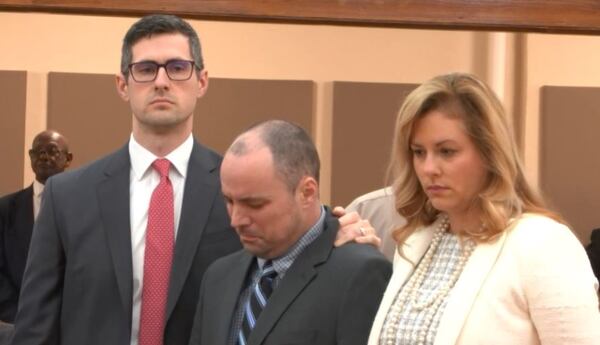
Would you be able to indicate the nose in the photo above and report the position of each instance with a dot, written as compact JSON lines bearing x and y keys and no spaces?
{"x":430,"y":166}
{"x":238,"y":217}
{"x":162,"y":79}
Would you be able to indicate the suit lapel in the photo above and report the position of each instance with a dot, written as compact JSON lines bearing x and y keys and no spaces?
{"x":413,"y":250}
{"x":22,"y":225}
{"x":229,"y":296}
{"x":300,"y":274}
{"x":466,"y":289}
{"x":201,"y":188}
{"x":23,"y":205}
{"x":113,"y":200}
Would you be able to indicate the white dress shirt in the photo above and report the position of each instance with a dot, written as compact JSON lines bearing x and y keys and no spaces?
{"x":142,"y":181}
{"x":38,"y":188}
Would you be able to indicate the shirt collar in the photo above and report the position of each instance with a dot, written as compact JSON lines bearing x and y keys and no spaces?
{"x":285,"y":261}
{"x":141,"y":158}
{"x":38,"y":188}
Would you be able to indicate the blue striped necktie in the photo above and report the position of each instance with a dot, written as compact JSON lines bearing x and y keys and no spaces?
{"x":257,"y":300}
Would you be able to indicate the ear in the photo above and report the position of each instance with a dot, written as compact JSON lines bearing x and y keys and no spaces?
{"x":69,"y":159}
{"x":202,"y":82}
{"x":308,"y":190}
{"x":122,"y":87}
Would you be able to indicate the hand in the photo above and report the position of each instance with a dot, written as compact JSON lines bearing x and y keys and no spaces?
{"x":354,"y":228}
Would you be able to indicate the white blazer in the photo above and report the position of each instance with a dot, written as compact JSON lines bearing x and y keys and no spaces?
{"x":534,"y":285}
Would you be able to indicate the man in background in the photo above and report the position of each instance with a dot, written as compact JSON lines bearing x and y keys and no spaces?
{"x":49,"y":155}
{"x":378,"y":207}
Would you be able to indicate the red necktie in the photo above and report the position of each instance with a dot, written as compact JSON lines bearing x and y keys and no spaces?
{"x":158,"y":256}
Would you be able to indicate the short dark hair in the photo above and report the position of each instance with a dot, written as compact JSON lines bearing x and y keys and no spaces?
{"x":294,"y":153}
{"x":156,"y":24}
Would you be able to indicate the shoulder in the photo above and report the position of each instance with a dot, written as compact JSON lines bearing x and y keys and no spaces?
{"x":544,"y":247}
{"x":227,"y":262}
{"x":95,"y":169}
{"x":206,"y":155}
{"x":356,"y":256}
{"x":533,"y":233}
{"x":377,"y":197}
{"x":6,"y":199}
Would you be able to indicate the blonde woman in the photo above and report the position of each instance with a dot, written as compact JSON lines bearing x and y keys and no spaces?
{"x":480,"y":260}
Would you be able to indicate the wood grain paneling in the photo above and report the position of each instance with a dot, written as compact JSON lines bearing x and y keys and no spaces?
{"x":363,"y":124}
{"x":88,"y":111}
{"x":232,"y":105}
{"x":569,"y":158}
{"x":13,"y":90}
{"x":573,"y":16}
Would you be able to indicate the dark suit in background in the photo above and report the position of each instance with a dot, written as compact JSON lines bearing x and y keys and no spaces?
{"x":16,"y":224}
{"x":328,"y":296}
{"x":593,"y":252}
{"x":6,"y":330}
{"x":78,"y":282}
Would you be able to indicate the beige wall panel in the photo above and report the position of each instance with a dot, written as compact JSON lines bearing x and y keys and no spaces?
{"x":560,"y":60}
{"x":88,"y":111}
{"x":232,"y":105}
{"x":363,"y":124}
{"x":570,"y":163}
{"x":13,"y":88}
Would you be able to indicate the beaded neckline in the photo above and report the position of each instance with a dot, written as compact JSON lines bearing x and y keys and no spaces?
{"x":411,"y":291}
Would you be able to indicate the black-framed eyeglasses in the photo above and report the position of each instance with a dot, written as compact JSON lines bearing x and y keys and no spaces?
{"x":51,"y":152}
{"x":146,"y":71}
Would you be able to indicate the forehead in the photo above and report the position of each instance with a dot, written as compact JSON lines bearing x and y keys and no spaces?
{"x":48,"y":140}
{"x":249,"y":174}
{"x":161,"y":47}
{"x":439,"y":126}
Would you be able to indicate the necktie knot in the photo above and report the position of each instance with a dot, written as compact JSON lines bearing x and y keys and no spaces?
{"x":268,"y":271}
{"x":162,"y":166}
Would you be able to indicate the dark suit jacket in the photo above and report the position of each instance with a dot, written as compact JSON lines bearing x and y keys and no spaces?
{"x":6,"y":330}
{"x":16,"y":224}
{"x":328,"y":296}
{"x":593,"y":252}
{"x":77,"y":287}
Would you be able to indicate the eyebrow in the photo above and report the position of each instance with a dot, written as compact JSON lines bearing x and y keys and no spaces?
{"x":248,"y":199}
{"x":439,"y":143}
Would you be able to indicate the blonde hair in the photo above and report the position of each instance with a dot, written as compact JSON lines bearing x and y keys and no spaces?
{"x":506,"y":194}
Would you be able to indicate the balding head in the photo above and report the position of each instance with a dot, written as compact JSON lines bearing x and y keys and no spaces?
{"x":294,"y":154}
{"x":49,"y":155}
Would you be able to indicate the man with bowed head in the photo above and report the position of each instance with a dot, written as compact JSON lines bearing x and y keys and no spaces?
{"x":289,"y":283}
{"x":122,"y":244}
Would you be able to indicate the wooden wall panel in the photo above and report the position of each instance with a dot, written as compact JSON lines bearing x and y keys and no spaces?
{"x":13,"y":90}
{"x":88,"y":111}
{"x":232,"y":105}
{"x":363,"y":123}
{"x":569,"y":158}
{"x":503,"y":15}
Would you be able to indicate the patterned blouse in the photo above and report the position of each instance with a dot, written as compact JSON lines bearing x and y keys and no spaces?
{"x":411,"y":322}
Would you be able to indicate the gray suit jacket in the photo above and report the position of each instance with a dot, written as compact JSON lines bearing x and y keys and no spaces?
{"x":16,"y":224}
{"x":328,"y":296}
{"x":77,"y":287}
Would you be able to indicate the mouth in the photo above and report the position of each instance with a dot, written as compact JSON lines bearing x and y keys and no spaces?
{"x":161,"y":101}
{"x":435,"y":189}
{"x":246,"y":236}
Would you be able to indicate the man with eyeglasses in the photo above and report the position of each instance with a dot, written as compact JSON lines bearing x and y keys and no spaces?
{"x":49,"y":155}
{"x":122,"y":244}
